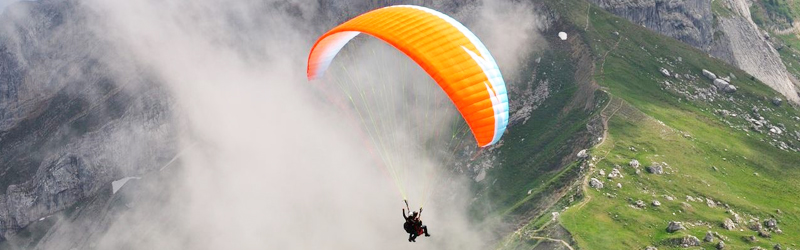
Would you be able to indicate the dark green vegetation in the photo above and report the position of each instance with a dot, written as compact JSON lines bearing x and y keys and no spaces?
{"x":722,"y":161}
{"x":533,"y":168}
{"x":773,"y":13}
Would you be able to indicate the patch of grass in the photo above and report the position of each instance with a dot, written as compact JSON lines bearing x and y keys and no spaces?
{"x":753,"y":177}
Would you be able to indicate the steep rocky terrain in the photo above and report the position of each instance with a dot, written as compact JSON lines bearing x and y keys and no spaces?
{"x":66,"y":128}
{"x":724,"y":30}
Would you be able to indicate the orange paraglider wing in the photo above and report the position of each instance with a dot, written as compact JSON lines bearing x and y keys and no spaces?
{"x":450,"y":53}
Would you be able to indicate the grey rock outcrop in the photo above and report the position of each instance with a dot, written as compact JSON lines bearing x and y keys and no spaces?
{"x":686,"y":241}
{"x":764,"y":234}
{"x":720,"y":84}
{"x":751,"y":52}
{"x":615,"y":174}
{"x":68,"y":127}
{"x":709,"y":75}
{"x":728,"y":224}
{"x":730,"y":88}
{"x":777,"y":101}
{"x":771,"y":223}
{"x":733,"y":38}
{"x":709,"y":237}
{"x":721,"y":245}
{"x":634,"y":163}
{"x":688,"y":21}
{"x":675,"y":226}
{"x":583,"y":154}
{"x":665,"y":72}
{"x":595,"y":183}
{"x":655,"y":169}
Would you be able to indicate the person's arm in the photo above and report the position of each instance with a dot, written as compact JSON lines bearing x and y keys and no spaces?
{"x":404,"y":214}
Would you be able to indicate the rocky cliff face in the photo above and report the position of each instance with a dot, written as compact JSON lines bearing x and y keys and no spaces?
{"x":731,"y":37}
{"x":751,"y":52}
{"x":689,"y":21}
{"x":67,"y":127}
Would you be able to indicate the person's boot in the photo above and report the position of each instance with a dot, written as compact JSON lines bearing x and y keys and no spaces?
{"x":427,"y":234}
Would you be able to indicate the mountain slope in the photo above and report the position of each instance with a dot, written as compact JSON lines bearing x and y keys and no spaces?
{"x":719,"y":158}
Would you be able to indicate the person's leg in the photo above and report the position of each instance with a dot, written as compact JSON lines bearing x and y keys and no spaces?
{"x":412,"y":237}
{"x":425,"y":230}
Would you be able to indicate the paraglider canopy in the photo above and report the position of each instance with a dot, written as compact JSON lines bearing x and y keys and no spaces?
{"x":450,"y":53}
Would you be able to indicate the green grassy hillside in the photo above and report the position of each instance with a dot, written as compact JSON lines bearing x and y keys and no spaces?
{"x":716,"y":162}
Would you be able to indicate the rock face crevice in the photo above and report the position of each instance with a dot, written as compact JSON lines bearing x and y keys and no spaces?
{"x":732,"y":37}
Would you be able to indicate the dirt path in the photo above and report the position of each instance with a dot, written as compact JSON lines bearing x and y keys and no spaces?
{"x":588,"y":8}
{"x":585,"y":182}
{"x":554,"y":240}
{"x":603,"y":64}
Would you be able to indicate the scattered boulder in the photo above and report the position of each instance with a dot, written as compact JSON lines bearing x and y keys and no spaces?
{"x":686,"y":241}
{"x":728,"y":224}
{"x":777,"y":247}
{"x":756,"y":248}
{"x":595,"y":183}
{"x":730,"y":88}
{"x":583,"y":154}
{"x":776,"y":101}
{"x":674,"y":226}
{"x":754,"y":225}
{"x":709,"y":237}
{"x":650,"y":248}
{"x":709,"y":75}
{"x":751,"y":238}
{"x":619,"y":185}
{"x":721,"y":245}
{"x":764,"y":234}
{"x":720,"y":84}
{"x":665,"y":72}
{"x":771,"y":223}
{"x":602,"y":172}
{"x":634,"y":163}
{"x":710,"y":203}
{"x":656,"y":203}
{"x":778,"y":211}
{"x":640,"y":204}
{"x":655,"y":169}
{"x":736,"y":217}
{"x":615,"y":174}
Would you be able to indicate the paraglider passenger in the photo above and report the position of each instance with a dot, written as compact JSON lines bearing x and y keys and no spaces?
{"x":413,"y":225}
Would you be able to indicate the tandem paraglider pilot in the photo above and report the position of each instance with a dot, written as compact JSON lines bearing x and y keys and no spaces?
{"x":413,"y":224}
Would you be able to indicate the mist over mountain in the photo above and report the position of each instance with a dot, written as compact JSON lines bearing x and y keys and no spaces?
{"x":191,"y":124}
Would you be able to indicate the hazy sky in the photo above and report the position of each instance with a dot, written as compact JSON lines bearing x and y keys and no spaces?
{"x":4,"y":3}
{"x":275,"y":168}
